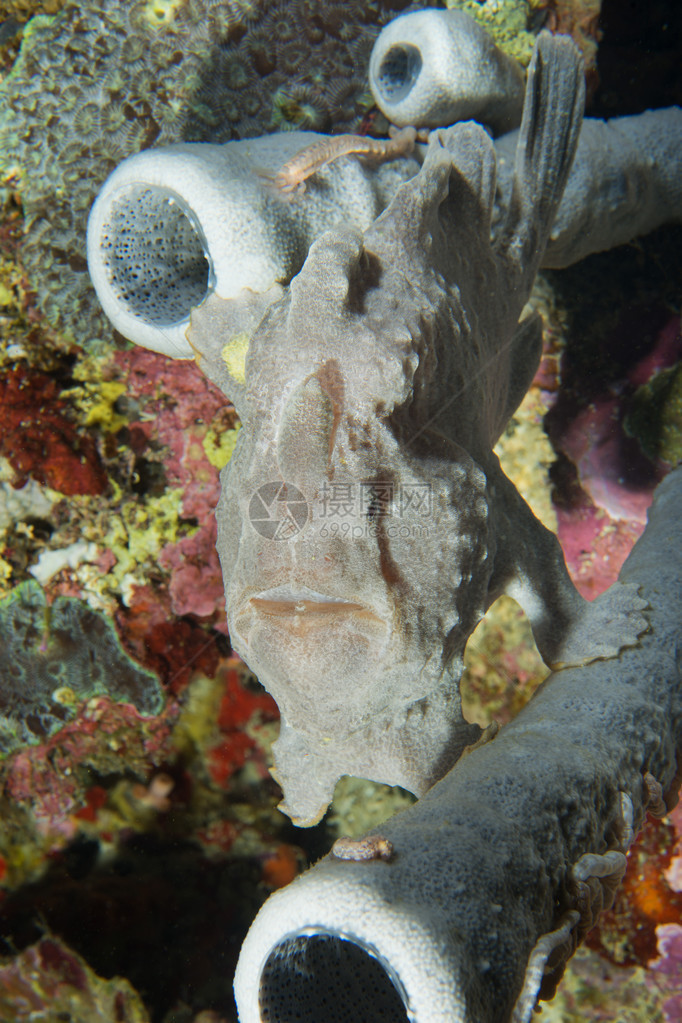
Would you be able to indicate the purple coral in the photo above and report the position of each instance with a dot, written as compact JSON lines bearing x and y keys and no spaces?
{"x":667,"y":969}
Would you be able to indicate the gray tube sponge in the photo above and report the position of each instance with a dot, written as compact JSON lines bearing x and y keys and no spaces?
{"x":432,"y":68}
{"x":626,"y":181}
{"x":172,"y":225}
{"x":465,"y":907}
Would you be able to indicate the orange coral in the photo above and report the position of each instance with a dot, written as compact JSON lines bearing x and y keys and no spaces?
{"x":282,"y":866}
{"x":626,"y":934}
{"x":580,"y":20}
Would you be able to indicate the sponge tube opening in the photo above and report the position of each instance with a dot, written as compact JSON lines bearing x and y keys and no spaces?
{"x":154,"y":254}
{"x":311,"y":977}
{"x":398,"y":72}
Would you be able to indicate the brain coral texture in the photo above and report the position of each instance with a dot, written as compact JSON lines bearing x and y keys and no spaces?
{"x":102,"y":80}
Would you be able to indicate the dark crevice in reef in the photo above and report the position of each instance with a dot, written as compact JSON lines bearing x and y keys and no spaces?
{"x":160,"y":914}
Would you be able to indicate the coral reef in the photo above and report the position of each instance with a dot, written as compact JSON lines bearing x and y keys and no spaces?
{"x":667,"y":970}
{"x":22,"y":10}
{"x":49,"y":793}
{"x":54,"y":453}
{"x":49,"y":980}
{"x":99,"y":81}
{"x":53,"y":659}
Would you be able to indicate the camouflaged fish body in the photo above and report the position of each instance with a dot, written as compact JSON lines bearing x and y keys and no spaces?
{"x":365,"y":525}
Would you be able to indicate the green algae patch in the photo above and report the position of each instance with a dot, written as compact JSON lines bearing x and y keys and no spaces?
{"x":656,"y":416}
{"x":55,"y":657}
{"x":219,"y":445}
{"x":141,"y":530}
{"x":507,"y":21}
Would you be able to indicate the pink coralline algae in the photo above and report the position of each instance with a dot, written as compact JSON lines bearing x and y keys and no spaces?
{"x":51,"y":780}
{"x":605,"y":457}
{"x":667,"y":968}
{"x":177,"y":405}
{"x":196,"y":585}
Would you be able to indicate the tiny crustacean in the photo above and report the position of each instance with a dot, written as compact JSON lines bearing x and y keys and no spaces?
{"x":371,"y":847}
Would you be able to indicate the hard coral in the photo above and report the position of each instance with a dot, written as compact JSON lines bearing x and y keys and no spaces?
{"x":51,"y":781}
{"x":98,"y":82}
{"x":52,"y":659}
{"x":178,"y":414}
{"x":48,"y":980}
{"x":40,"y":440}
{"x":22,"y":10}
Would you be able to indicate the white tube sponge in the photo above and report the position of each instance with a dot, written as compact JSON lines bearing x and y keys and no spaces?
{"x":465,"y":908}
{"x":172,"y":224}
{"x":432,"y":68}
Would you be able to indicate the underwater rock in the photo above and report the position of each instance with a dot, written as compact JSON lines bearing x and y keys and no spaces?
{"x":54,"y":658}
